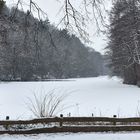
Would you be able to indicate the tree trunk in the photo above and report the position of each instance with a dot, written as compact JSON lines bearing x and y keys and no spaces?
{"x":130,"y":76}
{"x":138,"y":74}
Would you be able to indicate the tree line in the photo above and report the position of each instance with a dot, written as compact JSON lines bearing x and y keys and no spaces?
{"x":32,"y":49}
{"x":124,"y":40}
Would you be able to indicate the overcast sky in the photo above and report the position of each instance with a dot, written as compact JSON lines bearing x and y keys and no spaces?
{"x":52,"y":7}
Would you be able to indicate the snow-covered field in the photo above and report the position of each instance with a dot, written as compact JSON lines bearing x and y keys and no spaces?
{"x":101,"y":96}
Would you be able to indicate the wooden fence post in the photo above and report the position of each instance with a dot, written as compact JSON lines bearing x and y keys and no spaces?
{"x":7,"y":126}
{"x":61,"y":120}
{"x":114,"y":122}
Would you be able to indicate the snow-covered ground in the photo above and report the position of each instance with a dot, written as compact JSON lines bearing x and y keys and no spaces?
{"x":101,"y":96}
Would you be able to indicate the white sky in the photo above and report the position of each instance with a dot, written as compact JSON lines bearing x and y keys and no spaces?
{"x":52,"y":7}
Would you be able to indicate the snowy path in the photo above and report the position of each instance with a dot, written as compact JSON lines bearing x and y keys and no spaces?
{"x":101,"y":96}
{"x":78,"y":136}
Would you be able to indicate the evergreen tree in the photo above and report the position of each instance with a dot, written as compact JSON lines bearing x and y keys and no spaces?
{"x":124,"y":36}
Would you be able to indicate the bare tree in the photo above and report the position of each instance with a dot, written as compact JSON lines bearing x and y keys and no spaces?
{"x":74,"y":19}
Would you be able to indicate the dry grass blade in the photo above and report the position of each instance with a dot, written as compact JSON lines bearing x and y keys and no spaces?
{"x":46,"y":103}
